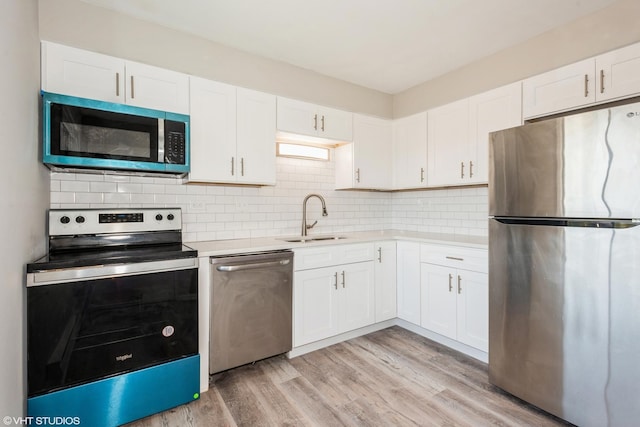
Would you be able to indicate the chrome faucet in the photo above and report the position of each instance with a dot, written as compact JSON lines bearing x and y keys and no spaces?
{"x":306,"y":227}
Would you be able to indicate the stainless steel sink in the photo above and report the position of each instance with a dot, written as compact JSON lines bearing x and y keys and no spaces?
{"x":312,"y":239}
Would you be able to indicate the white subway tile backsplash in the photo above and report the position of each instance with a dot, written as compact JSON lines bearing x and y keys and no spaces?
{"x":214,"y":212}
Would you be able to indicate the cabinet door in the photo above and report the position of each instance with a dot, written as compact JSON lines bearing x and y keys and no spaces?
{"x":408,"y":281}
{"x":297,"y":117}
{"x":335,"y":124}
{"x":256,"y":137}
{"x":618,"y":73}
{"x":447,"y":142}
{"x":315,"y":309}
{"x":371,"y":152}
{"x":488,"y":112}
{"x":562,"y":89}
{"x":357,"y":296}
{"x":213,"y":131}
{"x":385,"y":279}
{"x":410,"y":151}
{"x":438,"y":303}
{"x":156,"y":88}
{"x":80,"y":73}
{"x":473,"y":309}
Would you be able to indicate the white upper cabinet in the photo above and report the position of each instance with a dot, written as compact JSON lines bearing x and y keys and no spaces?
{"x":613,"y":75}
{"x":410,"y":151}
{"x":84,"y":74}
{"x":618,"y":73}
{"x":70,"y":71}
{"x":304,"y":118}
{"x":562,"y":89}
{"x":366,"y":163}
{"x":256,"y":137}
{"x":458,"y":135}
{"x":448,"y":144}
{"x":232,"y":134}
{"x":490,"y":111}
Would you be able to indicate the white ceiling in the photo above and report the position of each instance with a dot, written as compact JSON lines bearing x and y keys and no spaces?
{"x":387,"y":45}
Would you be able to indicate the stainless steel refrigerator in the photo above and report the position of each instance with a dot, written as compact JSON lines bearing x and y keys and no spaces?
{"x":564,"y":265}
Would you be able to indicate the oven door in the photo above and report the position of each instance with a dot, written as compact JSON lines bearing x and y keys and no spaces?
{"x":82,"y":326}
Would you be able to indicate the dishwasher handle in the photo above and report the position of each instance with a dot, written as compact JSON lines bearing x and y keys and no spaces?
{"x":241,"y":267}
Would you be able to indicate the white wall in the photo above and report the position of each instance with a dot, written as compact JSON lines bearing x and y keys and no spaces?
{"x":25,"y":192}
{"x":607,"y":29}
{"x":76,"y":23}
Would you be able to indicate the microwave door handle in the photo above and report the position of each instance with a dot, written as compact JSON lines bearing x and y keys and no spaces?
{"x":160,"y":140}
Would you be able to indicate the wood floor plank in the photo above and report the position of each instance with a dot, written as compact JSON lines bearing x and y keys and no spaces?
{"x":391,"y":377}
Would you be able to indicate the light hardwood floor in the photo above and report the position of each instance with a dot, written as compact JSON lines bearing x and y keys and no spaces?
{"x":391,"y":377}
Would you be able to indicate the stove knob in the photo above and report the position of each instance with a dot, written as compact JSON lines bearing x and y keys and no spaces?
{"x":65,"y":220}
{"x":80,"y":219}
{"x":158,"y":217}
{"x":170,"y":217}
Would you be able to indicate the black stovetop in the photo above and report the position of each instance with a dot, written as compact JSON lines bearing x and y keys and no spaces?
{"x":104,"y":256}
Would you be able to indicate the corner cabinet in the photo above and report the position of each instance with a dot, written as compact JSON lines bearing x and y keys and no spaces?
{"x":334,"y":291}
{"x":458,"y":135}
{"x":607,"y":77}
{"x":76,"y":72}
{"x":303,"y":118}
{"x":232,"y":134}
{"x":455,"y":293}
{"x":365,"y":163}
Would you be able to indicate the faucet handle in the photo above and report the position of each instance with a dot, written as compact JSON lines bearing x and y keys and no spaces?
{"x":309,"y":227}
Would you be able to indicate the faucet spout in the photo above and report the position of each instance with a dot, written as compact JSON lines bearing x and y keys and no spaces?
{"x":306,"y":227}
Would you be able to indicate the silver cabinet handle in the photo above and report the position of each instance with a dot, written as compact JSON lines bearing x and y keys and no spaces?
{"x":461,"y":169}
{"x":242,"y":166}
{"x":455,"y":258}
{"x":335,"y":285}
{"x":240,"y":267}
{"x":343,"y":280}
{"x":380,"y":255}
{"x":358,"y":175}
{"x":601,"y":81}
{"x":315,"y":122}
{"x":322,"y":121}
{"x":421,"y":174}
{"x":233,"y":161}
{"x":132,"y":93}
{"x":117,"y":84}
{"x":459,"y":286}
{"x":450,"y":280}
{"x":470,"y":169}
{"x":586,"y":85}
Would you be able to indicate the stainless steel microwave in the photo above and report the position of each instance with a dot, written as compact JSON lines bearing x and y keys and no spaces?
{"x":85,"y":133}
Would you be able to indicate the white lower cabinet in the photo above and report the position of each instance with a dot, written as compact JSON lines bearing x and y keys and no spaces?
{"x":332,"y":299}
{"x":385,"y":281}
{"x":408,"y":281}
{"x":454,"y":300}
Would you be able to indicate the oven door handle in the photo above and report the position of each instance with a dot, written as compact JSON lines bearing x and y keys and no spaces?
{"x":252,"y":266}
{"x":106,"y":271}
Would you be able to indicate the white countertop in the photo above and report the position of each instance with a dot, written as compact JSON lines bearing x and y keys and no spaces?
{"x":238,"y":246}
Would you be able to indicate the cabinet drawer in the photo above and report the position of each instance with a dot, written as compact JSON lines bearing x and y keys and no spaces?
{"x":306,"y":258}
{"x":455,"y":256}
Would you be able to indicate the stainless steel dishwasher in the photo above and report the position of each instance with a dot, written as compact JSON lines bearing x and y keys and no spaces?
{"x":251,"y":308}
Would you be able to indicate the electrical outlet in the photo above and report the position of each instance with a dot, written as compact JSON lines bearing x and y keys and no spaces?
{"x":195,"y":207}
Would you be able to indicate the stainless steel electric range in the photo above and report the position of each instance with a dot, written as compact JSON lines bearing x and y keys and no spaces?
{"x":112,"y":317}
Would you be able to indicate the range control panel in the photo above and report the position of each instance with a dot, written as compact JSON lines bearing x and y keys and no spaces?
{"x":65,"y":222}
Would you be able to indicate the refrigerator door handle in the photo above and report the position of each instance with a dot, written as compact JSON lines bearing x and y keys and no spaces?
{"x":571,"y":222}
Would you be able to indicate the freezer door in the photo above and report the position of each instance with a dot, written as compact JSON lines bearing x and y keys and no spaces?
{"x":583,"y":166}
{"x":564,"y":319}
